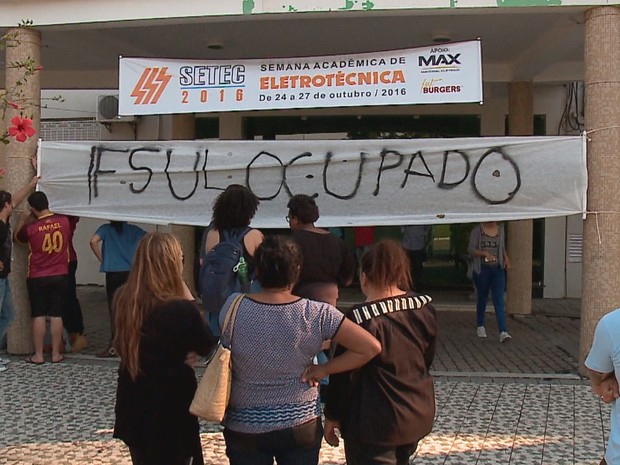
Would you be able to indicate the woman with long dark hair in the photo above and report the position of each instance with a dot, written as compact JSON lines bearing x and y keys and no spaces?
{"x":158,"y":329}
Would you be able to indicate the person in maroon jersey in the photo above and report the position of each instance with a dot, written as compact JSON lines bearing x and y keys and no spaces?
{"x":48,"y":236}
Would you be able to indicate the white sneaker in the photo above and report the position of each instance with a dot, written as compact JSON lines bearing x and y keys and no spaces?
{"x":3,"y":368}
{"x":504,"y":336}
{"x":481,"y":332}
{"x":4,"y":361}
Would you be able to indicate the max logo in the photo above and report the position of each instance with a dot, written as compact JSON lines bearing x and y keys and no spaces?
{"x":151,"y":85}
{"x":439,"y":60}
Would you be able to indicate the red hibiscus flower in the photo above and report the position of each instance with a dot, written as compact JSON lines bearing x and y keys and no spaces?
{"x":22,"y":128}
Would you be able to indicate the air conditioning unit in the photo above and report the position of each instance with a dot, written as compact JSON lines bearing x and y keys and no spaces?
{"x":107,"y":110}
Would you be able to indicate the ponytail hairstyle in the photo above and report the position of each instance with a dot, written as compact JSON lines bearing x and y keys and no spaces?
{"x":118,"y":226}
{"x":278,"y":262}
{"x":386,"y":264}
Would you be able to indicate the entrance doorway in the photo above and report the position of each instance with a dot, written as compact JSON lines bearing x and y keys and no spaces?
{"x":362,"y":127}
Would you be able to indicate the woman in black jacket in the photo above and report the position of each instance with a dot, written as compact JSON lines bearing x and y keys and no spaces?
{"x":385,"y":407}
{"x":159,"y":332}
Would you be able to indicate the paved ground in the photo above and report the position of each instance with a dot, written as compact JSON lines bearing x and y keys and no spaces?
{"x":515,"y":403}
{"x":545,"y":342}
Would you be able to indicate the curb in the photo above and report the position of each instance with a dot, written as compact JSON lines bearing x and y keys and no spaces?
{"x":493,"y":375}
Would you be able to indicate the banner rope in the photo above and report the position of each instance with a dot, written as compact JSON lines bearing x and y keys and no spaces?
{"x":587,"y":133}
{"x":596,"y":214}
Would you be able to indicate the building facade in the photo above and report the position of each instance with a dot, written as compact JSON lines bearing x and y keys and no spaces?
{"x":552,"y":61}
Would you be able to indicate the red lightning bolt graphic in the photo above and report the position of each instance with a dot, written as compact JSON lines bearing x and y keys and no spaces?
{"x":151,"y":85}
{"x":137,"y":92}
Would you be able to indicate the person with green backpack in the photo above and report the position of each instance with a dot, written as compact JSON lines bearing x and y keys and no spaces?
{"x":229,"y":247}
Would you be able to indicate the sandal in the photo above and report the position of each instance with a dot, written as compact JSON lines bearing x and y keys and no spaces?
{"x":32,"y":362}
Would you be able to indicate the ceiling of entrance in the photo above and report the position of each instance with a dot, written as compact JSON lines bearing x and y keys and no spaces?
{"x":541,"y":44}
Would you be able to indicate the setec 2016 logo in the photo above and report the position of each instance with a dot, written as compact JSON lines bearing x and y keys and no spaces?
{"x":212,"y":83}
{"x":151,"y":85}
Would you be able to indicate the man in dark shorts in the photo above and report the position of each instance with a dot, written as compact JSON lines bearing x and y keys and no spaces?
{"x":48,"y":236}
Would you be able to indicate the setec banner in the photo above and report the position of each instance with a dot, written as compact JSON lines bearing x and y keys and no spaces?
{"x":449,"y":73}
{"x":355,"y":182}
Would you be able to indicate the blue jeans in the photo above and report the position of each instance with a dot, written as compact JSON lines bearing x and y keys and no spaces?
{"x":298,"y":445}
{"x":213,"y":323}
{"x":7,"y":312}
{"x":491,"y":278}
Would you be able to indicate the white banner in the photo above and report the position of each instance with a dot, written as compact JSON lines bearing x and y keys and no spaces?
{"x":449,"y":73}
{"x":356,"y":182}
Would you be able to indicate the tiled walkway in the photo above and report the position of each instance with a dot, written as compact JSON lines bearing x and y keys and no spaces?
{"x":515,"y":403}
{"x":63,"y":415}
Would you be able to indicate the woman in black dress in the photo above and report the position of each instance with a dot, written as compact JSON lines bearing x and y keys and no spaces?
{"x":327,"y":261}
{"x":158,"y":332}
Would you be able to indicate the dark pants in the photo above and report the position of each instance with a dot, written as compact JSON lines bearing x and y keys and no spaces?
{"x":73,"y":319}
{"x":113,"y":280}
{"x":299,"y":445}
{"x":146,"y":456}
{"x":416,"y":261}
{"x":48,"y":296}
{"x":361,"y":453}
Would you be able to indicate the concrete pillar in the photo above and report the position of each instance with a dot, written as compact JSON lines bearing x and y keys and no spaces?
{"x":25,"y":45}
{"x":520,"y":233}
{"x":601,"y":250}
{"x":231,"y":127}
{"x":3,"y":149}
{"x":493,"y":112}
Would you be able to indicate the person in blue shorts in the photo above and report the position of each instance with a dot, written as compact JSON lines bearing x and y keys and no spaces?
{"x":114,"y":244}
